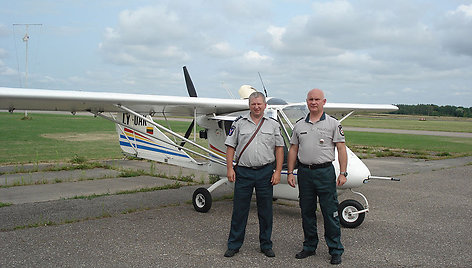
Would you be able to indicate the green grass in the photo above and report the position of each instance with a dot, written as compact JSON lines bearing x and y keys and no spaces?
{"x":4,"y":204}
{"x":22,"y":141}
{"x":417,"y":146}
{"x":410,"y":122}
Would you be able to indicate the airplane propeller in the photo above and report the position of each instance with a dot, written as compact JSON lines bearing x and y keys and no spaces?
{"x":188,"y":81}
{"x":192,"y":93}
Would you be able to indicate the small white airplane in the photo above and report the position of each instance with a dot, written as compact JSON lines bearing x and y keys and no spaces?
{"x":140,"y":136}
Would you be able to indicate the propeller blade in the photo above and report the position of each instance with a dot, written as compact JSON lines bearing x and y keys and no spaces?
{"x":188,"y":132}
{"x":192,"y":93}
{"x":188,"y":81}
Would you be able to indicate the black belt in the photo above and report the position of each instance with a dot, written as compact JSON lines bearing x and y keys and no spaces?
{"x":315,"y":166}
{"x":257,"y":167}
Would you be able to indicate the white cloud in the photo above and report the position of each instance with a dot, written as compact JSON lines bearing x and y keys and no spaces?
{"x":276,"y":34}
{"x":253,"y":56}
{"x":7,"y":71}
{"x":144,"y":37}
{"x":462,"y":10}
{"x":454,"y":30}
{"x":221,"y":49}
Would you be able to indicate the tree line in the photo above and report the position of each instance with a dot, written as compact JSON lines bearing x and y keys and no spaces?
{"x":433,"y":110}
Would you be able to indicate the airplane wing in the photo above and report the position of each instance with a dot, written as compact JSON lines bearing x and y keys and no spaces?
{"x":332,"y":107}
{"x":78,"y":101}
{"x":81,"y":101}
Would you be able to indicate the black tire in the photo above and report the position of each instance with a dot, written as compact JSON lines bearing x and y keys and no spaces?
{"x":201,"y":200}
{"x":346,"y":218}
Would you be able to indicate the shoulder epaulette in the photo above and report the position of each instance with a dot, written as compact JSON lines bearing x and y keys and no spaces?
{"x":274,"y":119}
{"x":239,"y":117}
{"x":299,"y":119}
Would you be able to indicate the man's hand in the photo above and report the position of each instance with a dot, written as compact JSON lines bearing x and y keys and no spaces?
{"x":291,"y":180}
{"x":275,"y":178}
{"x":230,"y":174}
{"x":341,"y":180}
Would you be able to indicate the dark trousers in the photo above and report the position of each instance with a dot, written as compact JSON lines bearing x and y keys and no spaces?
{"x":319,"y":183}
{"x":246,"y":180}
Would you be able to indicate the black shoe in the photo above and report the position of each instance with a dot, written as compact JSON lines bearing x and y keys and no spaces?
{"x":268,"y":252}
{"x":335,"y":259}
{"x":304,"y":253}
{"x":231,"y":252}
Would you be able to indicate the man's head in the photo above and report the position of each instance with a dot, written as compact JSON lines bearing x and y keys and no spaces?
{"x":315,"y":100}
{"x":257,"y":104}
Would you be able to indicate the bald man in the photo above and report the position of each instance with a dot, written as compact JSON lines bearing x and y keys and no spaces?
{"x":313,"y":143}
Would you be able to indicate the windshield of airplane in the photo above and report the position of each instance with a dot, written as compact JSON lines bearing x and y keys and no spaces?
{"x":295,"y":112}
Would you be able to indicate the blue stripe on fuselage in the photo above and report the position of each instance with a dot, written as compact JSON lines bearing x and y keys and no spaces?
{"x":146,"y":142}
{"x":123,"y":143}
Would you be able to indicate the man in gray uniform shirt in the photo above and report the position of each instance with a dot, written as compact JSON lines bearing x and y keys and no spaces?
{"x":313,"y":143}
{"x":254,"y":169}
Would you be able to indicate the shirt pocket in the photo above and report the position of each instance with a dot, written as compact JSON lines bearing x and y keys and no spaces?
{"x":267,"y":137}
{"x":308,"y":140}
{"x":325,"y":140}
{"x":246,"y":133}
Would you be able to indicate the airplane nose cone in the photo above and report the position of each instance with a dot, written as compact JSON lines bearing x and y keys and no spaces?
{"x":356,"y":169}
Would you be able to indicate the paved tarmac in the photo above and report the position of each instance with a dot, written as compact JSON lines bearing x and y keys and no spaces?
{"x":421,"y":221}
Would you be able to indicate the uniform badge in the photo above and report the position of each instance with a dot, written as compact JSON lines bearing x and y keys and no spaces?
{"x":341,"y":130}
{"x":231,"y":130}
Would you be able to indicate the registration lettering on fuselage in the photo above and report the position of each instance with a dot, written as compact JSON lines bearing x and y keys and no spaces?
{"x":135,"y":120}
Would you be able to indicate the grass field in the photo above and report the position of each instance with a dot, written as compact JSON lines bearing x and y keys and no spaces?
{"x":59,"y":137}
{"x":410,"y":122}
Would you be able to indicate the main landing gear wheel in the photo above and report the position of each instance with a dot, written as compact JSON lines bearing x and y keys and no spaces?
{"x":347,"y":218}
{"x":201,"y":200}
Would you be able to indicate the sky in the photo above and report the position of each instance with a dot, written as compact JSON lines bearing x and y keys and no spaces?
{"x":359,"y":51}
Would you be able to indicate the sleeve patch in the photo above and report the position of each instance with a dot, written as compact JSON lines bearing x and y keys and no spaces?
{"x":231,"y":130}
{"x":341,"y":132}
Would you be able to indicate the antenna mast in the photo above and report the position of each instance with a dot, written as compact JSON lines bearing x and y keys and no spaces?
{"x":26,"y":39}
{"x":265,"y":91}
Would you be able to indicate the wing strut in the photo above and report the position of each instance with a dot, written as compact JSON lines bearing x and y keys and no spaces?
{"x":346,"y":116}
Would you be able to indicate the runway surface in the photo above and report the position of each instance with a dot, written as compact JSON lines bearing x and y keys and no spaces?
{"x":421,"y":221}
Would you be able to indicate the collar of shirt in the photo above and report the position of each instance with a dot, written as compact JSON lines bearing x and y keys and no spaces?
{"x":307,"y":118}
{"x":248,"y":117}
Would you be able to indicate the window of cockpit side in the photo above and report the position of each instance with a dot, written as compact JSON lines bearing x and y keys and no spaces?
{"x":227,"y":125}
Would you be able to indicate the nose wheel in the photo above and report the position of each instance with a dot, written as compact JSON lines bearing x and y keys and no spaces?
{"x":351,"y":213}
{"x":201,"y":200}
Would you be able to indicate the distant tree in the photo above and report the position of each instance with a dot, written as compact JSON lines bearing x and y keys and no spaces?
{"x":434,"y":110}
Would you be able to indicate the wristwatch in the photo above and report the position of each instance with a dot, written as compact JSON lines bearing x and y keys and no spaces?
{"x":343,"y":173}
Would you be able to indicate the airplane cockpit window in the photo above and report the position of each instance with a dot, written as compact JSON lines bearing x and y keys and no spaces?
{"x":295,"y":112}
{"x":227,"y":126}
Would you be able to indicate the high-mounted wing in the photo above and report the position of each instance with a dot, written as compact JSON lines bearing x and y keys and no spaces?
{"x":77,"y":101}
{"x":332,"y":107}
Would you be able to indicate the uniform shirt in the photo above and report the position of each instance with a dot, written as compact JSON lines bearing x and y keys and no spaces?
{"x":261,"y":150}
{"x":316,"y":141}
